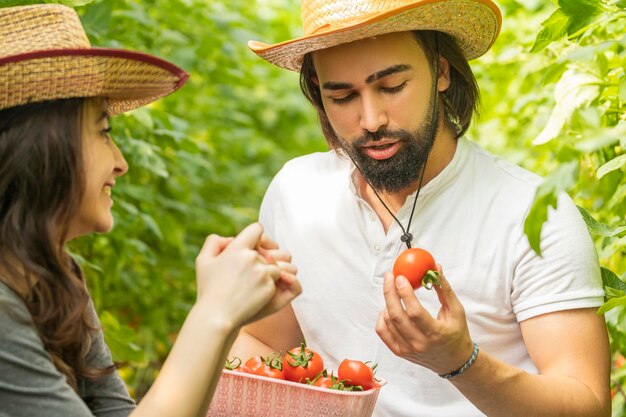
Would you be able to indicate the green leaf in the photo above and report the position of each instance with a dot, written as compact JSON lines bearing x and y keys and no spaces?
{"x":612,"y":165}
{"x":555,"y":27}
{"x":128,"y":207}
{"x":12,"y":3}
{"x":96,"y":18}
{"x":597,"y":228}
{"x":571,"y":16}
{"x":601,"y":138}
{"x":589,"y":53}
{"x":567,"y":153}
{"x":553,"y":72}
{"x":574,"y":90}
{"x":152,"y":225}
{"x":71,"y":3}
{"x":612,"y":293}
{"x":579,"y":12}
{"x":611,"y":304}
{"x":537,"y":216}
{"x":83,"y":262}
{"x":120,"y":339}
{"x":563,"y":178}
{"x":143,"y":116}
{"x":609,"y":279}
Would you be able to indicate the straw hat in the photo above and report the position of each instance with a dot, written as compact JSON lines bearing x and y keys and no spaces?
{"x":45,"y":55}
{"x":474,"y":24}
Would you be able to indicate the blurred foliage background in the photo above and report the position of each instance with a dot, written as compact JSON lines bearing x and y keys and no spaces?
{"x":553,"y":91}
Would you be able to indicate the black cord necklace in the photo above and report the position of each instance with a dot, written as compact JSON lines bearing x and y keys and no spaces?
{"x":407,"y":237}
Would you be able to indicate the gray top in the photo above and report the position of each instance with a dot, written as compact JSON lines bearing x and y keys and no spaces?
{"x":30,"y":385}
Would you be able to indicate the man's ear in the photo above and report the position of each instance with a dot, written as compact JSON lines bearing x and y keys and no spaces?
{"x":443,"y":78}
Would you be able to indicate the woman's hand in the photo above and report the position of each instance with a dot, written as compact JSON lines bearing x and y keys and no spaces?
{"x":287,"y":287}
{"x":237,"y":283}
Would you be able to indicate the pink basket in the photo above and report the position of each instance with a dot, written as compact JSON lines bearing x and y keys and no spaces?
{"x":245,"y":395}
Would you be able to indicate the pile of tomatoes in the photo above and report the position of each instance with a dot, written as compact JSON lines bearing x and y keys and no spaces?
{"x":303,"y":365}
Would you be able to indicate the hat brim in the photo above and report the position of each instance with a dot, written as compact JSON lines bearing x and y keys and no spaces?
{"x":474,"y":24}
{"x":128,"y":79}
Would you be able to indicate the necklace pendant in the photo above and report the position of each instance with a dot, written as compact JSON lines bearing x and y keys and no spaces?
{"x":407,"y":237}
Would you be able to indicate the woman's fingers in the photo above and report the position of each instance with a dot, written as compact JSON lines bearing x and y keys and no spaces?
{"x":247,"y":276}
{"x":266,"y":243}
{"x":248,"y":238}
{"x":287,"y":288}
{"x":214,"y":245}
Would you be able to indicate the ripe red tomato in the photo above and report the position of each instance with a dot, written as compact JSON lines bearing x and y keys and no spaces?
{"x":418,"y":266}
{"x":270,"y":366}
{"x":268,"y":371}
{"x":324,"y":382}
{"x":255,"y":363}
{"x":356,"y":373}
{"x":301,"y":363}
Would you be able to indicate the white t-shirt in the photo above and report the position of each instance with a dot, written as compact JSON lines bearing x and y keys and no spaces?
{"x":471,"y":218}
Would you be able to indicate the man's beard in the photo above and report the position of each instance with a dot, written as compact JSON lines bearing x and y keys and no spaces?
{"x":402,"y":169}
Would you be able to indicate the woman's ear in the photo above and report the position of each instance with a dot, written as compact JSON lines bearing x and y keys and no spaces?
{"x":443,"y":78}
{"x":315,"y":80}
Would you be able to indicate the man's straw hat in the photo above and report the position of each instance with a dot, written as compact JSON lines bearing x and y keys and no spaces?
{"x":45,"y":55}
{"x":474,"y":24}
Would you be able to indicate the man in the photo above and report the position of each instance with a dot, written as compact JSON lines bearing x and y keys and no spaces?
{"x":508,"y":332}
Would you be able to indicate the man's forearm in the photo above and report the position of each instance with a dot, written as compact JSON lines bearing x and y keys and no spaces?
{"x":499,"y":389}
{"x":247,"y":346}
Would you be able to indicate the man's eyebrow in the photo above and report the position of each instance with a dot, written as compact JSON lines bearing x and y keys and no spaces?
{"x":394,"y":69}
{"x":387,"y":71}
{"x":331,"y":85}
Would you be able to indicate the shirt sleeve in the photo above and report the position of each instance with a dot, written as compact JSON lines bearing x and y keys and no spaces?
{"x":566,"y":275}
{"x":269,"y":207}
{"x":30,"y":384}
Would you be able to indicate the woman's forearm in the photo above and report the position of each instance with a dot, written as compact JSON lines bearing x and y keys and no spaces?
{"x":190,"y":374}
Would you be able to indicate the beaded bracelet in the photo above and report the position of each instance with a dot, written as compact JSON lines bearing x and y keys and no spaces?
{"x":464,"y":367}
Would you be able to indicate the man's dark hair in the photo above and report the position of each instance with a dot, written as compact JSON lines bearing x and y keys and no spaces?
{"x":460,"y":101}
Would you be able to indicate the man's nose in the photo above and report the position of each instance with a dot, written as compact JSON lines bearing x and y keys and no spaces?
{"x":373,"y":113}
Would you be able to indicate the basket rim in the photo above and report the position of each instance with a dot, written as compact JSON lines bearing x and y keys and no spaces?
{"x":244,"y":375}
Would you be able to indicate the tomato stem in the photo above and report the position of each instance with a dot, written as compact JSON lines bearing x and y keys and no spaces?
{"x":233,"y":363}
{"x":274,"y":360}
{"x":301,"y":359}
{"x":431,"y":279}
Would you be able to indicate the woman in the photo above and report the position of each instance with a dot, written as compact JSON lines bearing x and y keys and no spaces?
{"x":58,"y":167}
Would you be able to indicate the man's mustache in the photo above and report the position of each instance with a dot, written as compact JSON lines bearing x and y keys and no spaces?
{"x":380,"y":134}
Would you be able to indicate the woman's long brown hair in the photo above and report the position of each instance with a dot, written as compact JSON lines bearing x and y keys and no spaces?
{"x":41,"y":185}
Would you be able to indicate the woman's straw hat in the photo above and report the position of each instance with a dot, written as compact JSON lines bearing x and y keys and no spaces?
{"x":45,"y":55}
{"x":474,"y":24}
